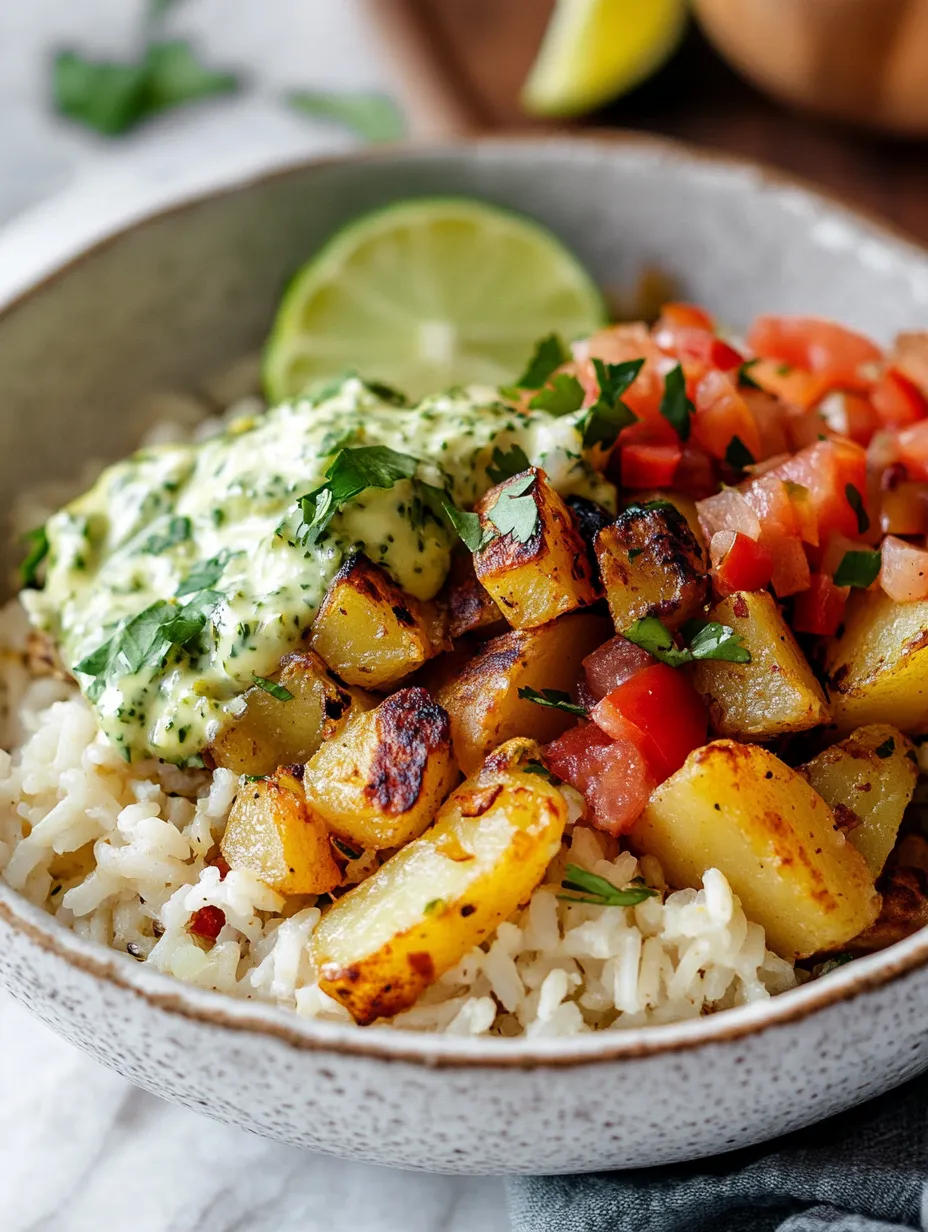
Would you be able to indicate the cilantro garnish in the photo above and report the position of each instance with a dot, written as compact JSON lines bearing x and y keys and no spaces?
{"x":178,"y":531}
{"x":538,"y":767}
{"x":675,"y":405}
{"x":858,"y":569}
{"x":598,"y":892}
{"x":275,"y":690}
{"x":36,"y":544}
{"x":553,"y":698}
{"x":434,"y":905}
{"x":886,"y":749}
{"x":550,"y":352}
{"x":743,"y":375}
{"x":609,"y":415}
{"x":707,"y":640}
{"x":468,"y":527}
{"x":737,"y":455}
{"x":205,"y":575}
{"x":349,"y":474}
{"x":350,"y":853}
{"x":856,"y":502}
{"x":562,"y":396}
{"x":515,"y":513}
{"x":505,"y":465}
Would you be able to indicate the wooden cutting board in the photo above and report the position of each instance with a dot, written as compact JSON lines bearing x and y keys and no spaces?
{"x":459,"y":64}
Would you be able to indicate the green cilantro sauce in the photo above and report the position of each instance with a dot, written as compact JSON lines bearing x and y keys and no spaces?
{"x":219,"y":522}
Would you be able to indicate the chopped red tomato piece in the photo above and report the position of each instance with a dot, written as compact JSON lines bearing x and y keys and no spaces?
{"x":898,"y":401}
{"x":912,"y":449}
{"x":696,"y":346}
{"x":612,"y":776}
{"x":690,"y":316}
{"x":208,"y":922}
{"x":798,"y":389}
{"x":660,"y":711}
{"x":910,"y":358}
{"x":614,"y":345}
{"x":649,"y":455}
{"x":843,"y":358}
{"x":828,"y":469}
{"x":820,"y":608}
{"x":904,"y":571}
{"x":721,"y":415}
{"x":613,"y":663}
{"x":738,"y":563}
{"x":771,"y":418}
{"x":790,"y":568}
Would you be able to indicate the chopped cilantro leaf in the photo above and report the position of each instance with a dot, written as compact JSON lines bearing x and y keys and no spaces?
{"x":374,"y":117}
{"x":538,"y":767}
{"x":598,"y":892}
{"x":856,"y":502}
{"x":275,"y":690}
{"x":205,"y":575}
{"x":886,"y":749}
{"x":743,"y":376}
{"x":609,"y":415}
{"x":36,"y":544}
{"x":707,"y":640}
{"x":858,"y":569}
{"x":515,"y":513}
{"x":550,"y":352}
{"x":553,"y":698}
{"x":653,"y":636}
{"x":675,"y":405}
{"x":468,"y":527}
{"x":562,"y":397}
{"x":737,"y":455}
{"x":351,"y":472}
{"x":505,"y":465}
{"x":178,"y":531}
{"x":434,"y":905}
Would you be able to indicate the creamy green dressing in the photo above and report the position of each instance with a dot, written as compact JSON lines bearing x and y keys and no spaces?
{"x":235,"y":497}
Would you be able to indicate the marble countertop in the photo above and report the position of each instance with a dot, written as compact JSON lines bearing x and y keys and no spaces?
{"x":80,"y":1149}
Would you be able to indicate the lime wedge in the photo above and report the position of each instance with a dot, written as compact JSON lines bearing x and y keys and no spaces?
{"x":425,"y":294}
{"x":594,"y":50}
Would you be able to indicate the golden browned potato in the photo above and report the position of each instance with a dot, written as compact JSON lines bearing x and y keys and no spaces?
{"x":369,"y":631}
{"x":652,"y":565}
{"x":737,"y":808}
{"x":684,"y":505}
{"x":773,"y":694}
{"x":470,"y":608}
{"x":386,"y":940}
{"x":483,"y":698}
{"x":878,"y":666}
{"x":904,"y":890}
{"x":549,"y":573}
{"x":867,"y":780}
{"x":272,"y":832}
{"x":272,"y":732}
{"x":382,"y":779}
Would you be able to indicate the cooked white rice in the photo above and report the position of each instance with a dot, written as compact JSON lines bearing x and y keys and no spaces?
{"x":121,"y":854}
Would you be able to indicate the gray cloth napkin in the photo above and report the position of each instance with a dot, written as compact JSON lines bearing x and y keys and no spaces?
{"x":863,"y":1171}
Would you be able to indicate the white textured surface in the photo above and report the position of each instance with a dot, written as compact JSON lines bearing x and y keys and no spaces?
{"x":80,"y":1149}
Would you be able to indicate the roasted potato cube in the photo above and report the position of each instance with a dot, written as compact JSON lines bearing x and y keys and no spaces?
{"x":470,"y":608}
{"x":548,"y":574}
{"x":386,"y":940}
{"x":270,"y":732}
{"x":773,"y":694}
{"x":369,"y":631}
{"x":272,"y":832}
{"x":483,"y":699}
{"x":382,"y":779}
{"x":737,"y":808}
{"x":652,"y":565}
{"x":684,"y":505}
{"x":904,"y":890}
{"x":878,"y":666}
{"x":867,"y":781}
{"x":590,"y":517}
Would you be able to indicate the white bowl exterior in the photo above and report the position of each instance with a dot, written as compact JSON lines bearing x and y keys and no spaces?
{"x":162,"y":305}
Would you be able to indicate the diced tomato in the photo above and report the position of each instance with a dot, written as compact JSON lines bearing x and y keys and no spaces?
{"x":695,"y":475}
{"x":649,"y":455}
{"x":912,"y":448}
{"x":790,"y":568}
{"x":910,"y":358}
{"x":835,"y":551}
{"x":612,"y":776}
{"x":727,"y":510}
{"x":613,"y":663}
{"x":614,"y":345}
{"x":697,"y":346}
{"x":820,"y":608}
{"x":797,"y":388}
{"x":845,"y":359}
{"x":827,"y":469}
{"x":904,"y":570}
{"x":898,"y":401}
{"x":738,"y":563}
{"x":660,"y":711}
{"x":769,"y":497}
{"x":721,"y":415}
{"x":851,"y":415}
{"x":207,"y":922}
{"x":904,"y":508}
{"x":770,"y":417}
{"x":687,"y":316}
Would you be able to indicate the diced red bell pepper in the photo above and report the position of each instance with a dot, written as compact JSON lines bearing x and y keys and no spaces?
{"x":739,"y":563}
{"x":820,"y":608}
{"x":207,"y":922}
{"x":611,"y":775}
{"x":845,"y":359}
{"x":898,"y":401}
{"x":661,"y":705}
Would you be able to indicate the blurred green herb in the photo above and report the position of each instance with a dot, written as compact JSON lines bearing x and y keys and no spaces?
{"x":375,"y":117}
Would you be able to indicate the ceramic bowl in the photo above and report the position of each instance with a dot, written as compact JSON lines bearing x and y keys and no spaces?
{"x":156,"y":306}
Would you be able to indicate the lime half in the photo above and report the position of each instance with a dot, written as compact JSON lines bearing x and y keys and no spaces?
{"x":425,"y":294}
{"x":594,"y":50}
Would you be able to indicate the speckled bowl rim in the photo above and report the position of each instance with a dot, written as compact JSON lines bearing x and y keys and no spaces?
{"x":168,"y":994}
